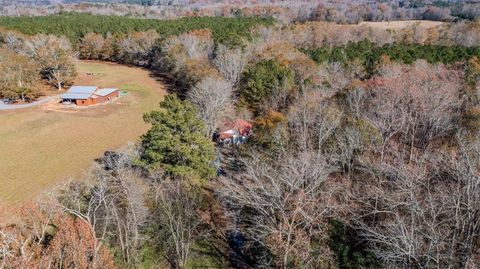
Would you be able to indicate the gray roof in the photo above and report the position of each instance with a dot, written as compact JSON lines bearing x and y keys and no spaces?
{"x":105,"y":92}
{"x":69,"y":95}
{"x":82,"y":89}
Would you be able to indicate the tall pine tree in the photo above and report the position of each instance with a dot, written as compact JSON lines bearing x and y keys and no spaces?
{"x":176,"y":141}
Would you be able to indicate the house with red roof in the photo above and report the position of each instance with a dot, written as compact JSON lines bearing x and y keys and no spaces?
{"x":233,"y":132}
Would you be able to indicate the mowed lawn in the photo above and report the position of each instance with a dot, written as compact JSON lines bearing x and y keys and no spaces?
{"x":42,"y":146}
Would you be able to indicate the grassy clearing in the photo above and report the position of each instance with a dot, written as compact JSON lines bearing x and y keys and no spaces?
{"x":397,"y":25}
{"x":41,"y":146}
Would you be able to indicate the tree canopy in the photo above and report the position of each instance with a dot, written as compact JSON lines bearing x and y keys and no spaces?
{"x":177,"y":142}
{"x":266,"y":80}
{"x":76,"y":25}
{"x":19,"y":76}
{"x":370,"y":54}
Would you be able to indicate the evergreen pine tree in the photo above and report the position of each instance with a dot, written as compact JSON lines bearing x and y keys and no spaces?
{"x":176,"y":141}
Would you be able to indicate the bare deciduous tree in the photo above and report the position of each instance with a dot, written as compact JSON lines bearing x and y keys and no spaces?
{"x":176,"y":222}
{"x":283,"y":204}
{"x":198,"y":44}
{"x":112,"y":203}
{"x":43,"y":237}
{"x":230,"y":63}
{"x":14,"y":42}
{"x":403,"y":219}
{"x":424,"y":214}
{"x":418,"y":103}
{"x":336,"y":76}
{"x":91,"y":46}
{"x":135,"y":47}
{"x":55,"y":57}
{"x":355,"y":100}
{"x":464,"y":200}
{"x":213,"y":97}
{"x":312,"y":121}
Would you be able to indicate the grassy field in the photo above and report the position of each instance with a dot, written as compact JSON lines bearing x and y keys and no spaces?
{"x":43,"y":145}
{"x":396,"y":25}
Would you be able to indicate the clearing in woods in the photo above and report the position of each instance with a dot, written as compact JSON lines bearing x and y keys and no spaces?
{"x":43,"y":145}
{"x":396,"y":25}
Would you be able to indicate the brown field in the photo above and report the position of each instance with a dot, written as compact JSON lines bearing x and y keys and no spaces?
{"x":43,"y":145}
{"x":396,"y":25}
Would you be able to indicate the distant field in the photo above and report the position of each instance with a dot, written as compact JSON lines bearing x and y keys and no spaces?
{"x":41,"y":146}
{"x":395,"y":25}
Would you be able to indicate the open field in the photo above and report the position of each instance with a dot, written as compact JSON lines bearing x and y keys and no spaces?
{"x":42,"y":145}
{"x":396,"y":25}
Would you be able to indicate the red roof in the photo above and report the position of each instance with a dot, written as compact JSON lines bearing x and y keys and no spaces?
{"x":242,"y":126}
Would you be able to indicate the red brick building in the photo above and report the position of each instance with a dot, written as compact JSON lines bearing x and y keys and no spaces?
{"x":89,"y":95}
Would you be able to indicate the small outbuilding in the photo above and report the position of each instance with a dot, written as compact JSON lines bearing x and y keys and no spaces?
{"x":89,"y":95}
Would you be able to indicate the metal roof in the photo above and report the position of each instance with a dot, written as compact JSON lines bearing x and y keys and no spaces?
{"x":105,"y":92}
{"x":69,"y":95}
{"x":82,"y":89}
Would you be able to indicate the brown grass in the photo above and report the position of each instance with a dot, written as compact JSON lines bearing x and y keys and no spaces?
{"x":397,"y":25}
{"x":41,"y":146}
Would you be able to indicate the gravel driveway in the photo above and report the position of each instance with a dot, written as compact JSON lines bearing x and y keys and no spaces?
{"x":4,"y":106}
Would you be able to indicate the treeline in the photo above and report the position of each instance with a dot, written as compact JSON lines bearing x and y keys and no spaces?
{"x":318,"y":34}
{"x":370,"y":54}
{"x":28,"y":64}
{"x":74,"y":26}
{"x":343,"y":11}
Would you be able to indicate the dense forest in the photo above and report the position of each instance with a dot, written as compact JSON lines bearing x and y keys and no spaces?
{"x":370,"y":55}
{"x":340,"y":11}
{"x":365,"y":151}
{"x":74,"y":26}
